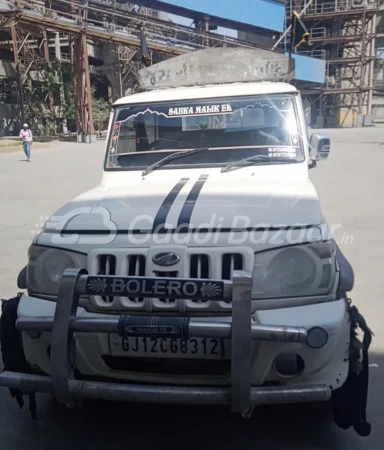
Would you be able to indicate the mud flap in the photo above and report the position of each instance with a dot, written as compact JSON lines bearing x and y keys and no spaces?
{"x":350,"y":401}
{"x":12,"y":350}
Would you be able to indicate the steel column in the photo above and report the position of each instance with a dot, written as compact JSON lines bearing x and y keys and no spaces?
{"x":46,"y":56}
{"x":18,"y":73}
{"x":371,"y":64}
{"x":362,"y":60}
{"x":89,"y":128}
{"x":75,"y":78}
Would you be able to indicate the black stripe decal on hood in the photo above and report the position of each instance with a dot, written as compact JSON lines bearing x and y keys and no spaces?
{"x":165,"y":207}
{"x":186,"y":213}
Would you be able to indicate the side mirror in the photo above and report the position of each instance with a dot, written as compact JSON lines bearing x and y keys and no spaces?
{"x":319,"y":147}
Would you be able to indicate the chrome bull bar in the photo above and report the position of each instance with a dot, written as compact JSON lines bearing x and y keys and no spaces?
{"x":240,"y":395}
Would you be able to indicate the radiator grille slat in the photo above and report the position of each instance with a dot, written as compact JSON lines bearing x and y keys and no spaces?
{"x":231,"y":262}
{"x":199,"y":268}
{"x":107,"y":266}
{"x":169,"y":274}
{"x":136,"y":268}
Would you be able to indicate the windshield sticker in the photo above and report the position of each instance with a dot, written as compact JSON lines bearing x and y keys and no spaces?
{"x":282,"y":152}
{"x":197,"y":110}
{"x":200,"y":110}
{"x":115,"y":137}
{"x":182,"y":112}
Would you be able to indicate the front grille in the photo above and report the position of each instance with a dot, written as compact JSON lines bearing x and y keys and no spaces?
{"x":107,"y":265}
{"x":166,"y":274}
{"x":136,"y":268}
{"x":229,"y":263}
{"x":211,"y":263}
{"x":199,"y":266}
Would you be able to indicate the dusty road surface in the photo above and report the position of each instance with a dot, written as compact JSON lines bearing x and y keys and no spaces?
{"x":351,"y":186}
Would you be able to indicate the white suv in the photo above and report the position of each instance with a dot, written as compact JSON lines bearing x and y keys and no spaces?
{"x":201,"y":269}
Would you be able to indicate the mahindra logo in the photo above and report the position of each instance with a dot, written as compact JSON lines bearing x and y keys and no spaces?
{"x":166,"y":259}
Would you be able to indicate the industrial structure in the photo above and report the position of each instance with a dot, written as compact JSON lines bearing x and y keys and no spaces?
{"x":343,"y":34}
{"x":56,"y":55}
{"x":93,"y":37}
{"x":378,"y":77}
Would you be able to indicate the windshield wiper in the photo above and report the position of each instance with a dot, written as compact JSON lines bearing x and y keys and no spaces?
{"x":172,"y":157}
{"x":255,"y":159}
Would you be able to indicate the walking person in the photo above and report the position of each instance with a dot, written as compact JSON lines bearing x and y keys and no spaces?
{"x":26,"y":136}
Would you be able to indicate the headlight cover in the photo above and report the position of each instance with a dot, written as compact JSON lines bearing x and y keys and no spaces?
{"x":46,"y":267}
{"x":295,"y":271}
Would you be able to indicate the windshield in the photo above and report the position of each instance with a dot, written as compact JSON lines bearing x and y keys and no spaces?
{"x":230,"y":129}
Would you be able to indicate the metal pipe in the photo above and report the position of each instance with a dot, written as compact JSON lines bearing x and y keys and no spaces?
{"x":288,"y":395}
{"x":150,"y":394}
{"x":110,"y":325}
{"x":26,"y":382}
{"x":290,"y":26}
{"x":103,"y":325}
{"x":241,"y":344}
{"x":63,"y":345}
{"x":28,"y":35}
{"x":272,"y":333}
{"x":267,"y":333}
{"x":34,"y":324}
{"x":184,"y":395}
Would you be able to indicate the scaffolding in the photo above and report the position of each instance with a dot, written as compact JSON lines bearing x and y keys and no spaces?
{"x":343,"y":34}
{"x":39,"y":32}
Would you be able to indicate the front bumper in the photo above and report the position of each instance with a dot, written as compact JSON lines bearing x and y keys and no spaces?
{"x":182,"y":395}
{"x":254,"y":349}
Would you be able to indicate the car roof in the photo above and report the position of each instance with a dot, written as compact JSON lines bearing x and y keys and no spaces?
{"x":209,"y":91}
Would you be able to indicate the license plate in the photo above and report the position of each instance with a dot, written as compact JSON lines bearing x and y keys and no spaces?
{"x":195,"y":348}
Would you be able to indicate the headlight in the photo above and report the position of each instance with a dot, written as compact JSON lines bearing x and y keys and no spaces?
{"x":46,"y":267}
{"x":302,"y":270}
